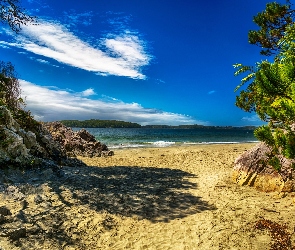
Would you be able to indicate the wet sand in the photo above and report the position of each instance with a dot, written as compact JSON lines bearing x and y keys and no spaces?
{"x":144,"y":198}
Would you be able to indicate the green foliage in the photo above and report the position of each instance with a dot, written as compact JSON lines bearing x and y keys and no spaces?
{"x":10,"y":97}
{"x":275,"y":163}
{"x":272,"y":22}
{"x":9,"y":87}
{"x":14,"y":15}
{"x":264,"y":133}
{"x":25,"y":119}
{"x":3,"y":140}
{"x":271,"y":85}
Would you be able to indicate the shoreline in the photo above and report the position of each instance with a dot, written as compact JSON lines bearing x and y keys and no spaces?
{"x":147,"y":198}
{"x":168,"y":144}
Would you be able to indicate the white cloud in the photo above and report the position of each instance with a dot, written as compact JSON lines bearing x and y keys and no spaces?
{"x":53,"y":104}
{"x":88,"y":92}
{"x":211,"y":92}
{"x":4,"y":46}
{"x":124,"y":54}
{"x":42,"y":61}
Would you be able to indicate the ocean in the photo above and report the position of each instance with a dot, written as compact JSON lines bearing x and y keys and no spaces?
{"x":152,"y":137}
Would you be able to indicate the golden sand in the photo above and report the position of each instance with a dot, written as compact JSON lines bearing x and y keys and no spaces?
{"x":178,"y":198}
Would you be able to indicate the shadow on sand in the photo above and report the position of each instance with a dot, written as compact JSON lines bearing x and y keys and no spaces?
{"x":156,"y":194}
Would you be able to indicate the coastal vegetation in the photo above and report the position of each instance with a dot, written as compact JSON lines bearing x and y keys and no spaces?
{"x":270,"y":90}
{"x":15,"y":16}
{"x":96,"y":123}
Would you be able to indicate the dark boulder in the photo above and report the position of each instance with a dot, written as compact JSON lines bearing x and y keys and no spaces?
{"x":80,"y":143}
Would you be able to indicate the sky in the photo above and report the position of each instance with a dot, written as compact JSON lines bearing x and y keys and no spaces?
{"x":149,"y":61}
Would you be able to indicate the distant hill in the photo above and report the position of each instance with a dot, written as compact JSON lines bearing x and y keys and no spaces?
{"x":195,"y":126}
{"x":95,"y":123}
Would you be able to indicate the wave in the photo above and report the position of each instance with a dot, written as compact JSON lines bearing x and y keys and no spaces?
{"x":163,"y":143}
{"x":219,"y":142}
{"x":171,"y":143}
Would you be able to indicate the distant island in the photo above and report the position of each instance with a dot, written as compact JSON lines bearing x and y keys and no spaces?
{"x":96,"y":123}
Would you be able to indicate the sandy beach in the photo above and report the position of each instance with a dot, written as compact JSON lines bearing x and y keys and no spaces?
{"x":178,"y":198}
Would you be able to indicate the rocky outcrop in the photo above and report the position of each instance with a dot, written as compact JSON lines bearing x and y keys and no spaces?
{"x":80,"y":143}
{"x":250,"y":169}
{"x":20,"y":148}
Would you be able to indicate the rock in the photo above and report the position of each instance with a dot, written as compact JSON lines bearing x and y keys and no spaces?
{"x":15,"y":234}
{"x":7,"y":121}
{"x":20,"y":148}
{"x":4,"y":211}
{"x":50,"y":145}
{"x":15,"y":193}
{"x":2,"y":218}
{"x":80,"y":143}
{"x":250,"y":169}
{"x":29,"y":138}
{"x":38,"y":199}
{"x":13,"y":144}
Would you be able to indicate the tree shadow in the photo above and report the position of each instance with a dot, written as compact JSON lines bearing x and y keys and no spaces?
{"x":150,"y":193}
{"x":155,"y":194}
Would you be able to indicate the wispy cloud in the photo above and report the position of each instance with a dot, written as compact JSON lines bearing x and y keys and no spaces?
{"x":120,"y":55}
{"x":53,"y":104}
{"x":41,"y":61}
{"x":88,"y":92}
{"x":4,"y":46}
{"x":211,"y":92}
{"x":74,"y":18}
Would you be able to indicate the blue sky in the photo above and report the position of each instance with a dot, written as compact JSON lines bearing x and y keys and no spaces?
{"x":148,"y":61}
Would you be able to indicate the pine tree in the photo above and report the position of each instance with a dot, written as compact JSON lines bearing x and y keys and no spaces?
{"x":270,"y":90}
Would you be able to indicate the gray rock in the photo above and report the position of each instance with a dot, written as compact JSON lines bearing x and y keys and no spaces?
{"x":251,"y":169}
{"x":15,"y":193}
{"x":29,"y":138}
{"x":7,"y":120}
{"x":49,"y":146}
{"x":25,"y":148}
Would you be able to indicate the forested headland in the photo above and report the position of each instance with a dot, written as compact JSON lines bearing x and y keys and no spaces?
{"x":96,"y":123}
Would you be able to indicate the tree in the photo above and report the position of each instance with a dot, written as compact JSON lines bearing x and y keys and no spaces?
{"x":271,"y":87}
{"x":14,"y":15}
{"x":272,"y":22}
{"x":9,"y":87}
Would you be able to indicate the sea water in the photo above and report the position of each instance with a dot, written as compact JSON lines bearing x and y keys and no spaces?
{"x":152,"y":137}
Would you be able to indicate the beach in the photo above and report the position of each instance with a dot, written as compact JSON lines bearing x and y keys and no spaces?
{"x":178,"y":197}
